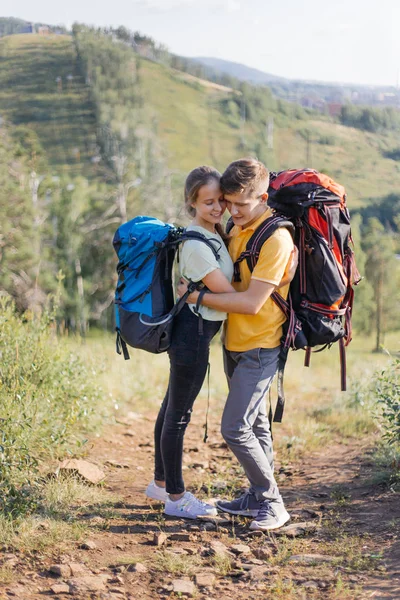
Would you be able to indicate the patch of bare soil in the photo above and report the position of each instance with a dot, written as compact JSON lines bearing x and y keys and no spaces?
{"x":343,"y":541}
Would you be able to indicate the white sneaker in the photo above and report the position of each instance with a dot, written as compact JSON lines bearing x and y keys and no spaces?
{"x":189,"y":507}
{"x":155,"y":492}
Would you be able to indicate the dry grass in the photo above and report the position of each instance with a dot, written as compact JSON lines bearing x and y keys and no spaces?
{"x":176,"y":564}
{"x":7,"y":574}
{"x":67,"y":494}
{"x":37,"y":534}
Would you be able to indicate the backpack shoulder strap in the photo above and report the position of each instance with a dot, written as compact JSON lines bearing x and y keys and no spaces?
{"x":196,"y":235}
{"x":259,"y":237}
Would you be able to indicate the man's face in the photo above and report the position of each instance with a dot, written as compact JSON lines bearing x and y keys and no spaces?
{"x":245,"y":209}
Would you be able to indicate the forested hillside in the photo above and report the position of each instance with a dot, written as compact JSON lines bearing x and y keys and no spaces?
{"x":105,"y":125}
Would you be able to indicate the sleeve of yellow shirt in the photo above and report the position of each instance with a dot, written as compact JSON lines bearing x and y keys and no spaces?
{"x":274,"y":257}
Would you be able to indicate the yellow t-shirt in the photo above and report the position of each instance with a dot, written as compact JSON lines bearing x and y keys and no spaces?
{"x":264,"y":330}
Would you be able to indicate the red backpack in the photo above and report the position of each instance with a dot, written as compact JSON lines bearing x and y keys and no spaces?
{"x":320,"y":301}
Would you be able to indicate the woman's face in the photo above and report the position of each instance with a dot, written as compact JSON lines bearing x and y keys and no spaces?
{"x":210,"y":204}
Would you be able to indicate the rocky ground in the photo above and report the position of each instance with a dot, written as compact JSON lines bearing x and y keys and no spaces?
{"x":342,"y":541}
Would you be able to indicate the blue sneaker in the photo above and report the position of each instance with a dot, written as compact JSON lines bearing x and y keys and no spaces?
{"x":271,"y":515}
{"x":246,"y":505}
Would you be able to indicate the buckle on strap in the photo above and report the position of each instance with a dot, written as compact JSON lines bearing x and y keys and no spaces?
{"x":121,"y":347}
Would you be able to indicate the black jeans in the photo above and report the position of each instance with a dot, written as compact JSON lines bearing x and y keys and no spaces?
{"x":188,"y":355}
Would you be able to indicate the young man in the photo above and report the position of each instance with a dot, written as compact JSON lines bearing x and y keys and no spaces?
{"x":252,"y":342}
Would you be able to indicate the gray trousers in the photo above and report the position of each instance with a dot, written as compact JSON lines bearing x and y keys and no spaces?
{"x":245,"y":426}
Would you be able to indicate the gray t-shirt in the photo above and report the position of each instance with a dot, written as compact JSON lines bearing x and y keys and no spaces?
{"x":197,"y":260}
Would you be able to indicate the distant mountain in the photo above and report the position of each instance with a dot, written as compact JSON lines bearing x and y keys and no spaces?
{"x":308,"y":93}
{"x":239,"y":71}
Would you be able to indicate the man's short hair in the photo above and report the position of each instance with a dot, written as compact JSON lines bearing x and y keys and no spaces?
{"x":245,"y":176}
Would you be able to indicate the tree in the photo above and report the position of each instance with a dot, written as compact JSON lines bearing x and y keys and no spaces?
{"x":19,"y":234}
{"x":382,"y":270}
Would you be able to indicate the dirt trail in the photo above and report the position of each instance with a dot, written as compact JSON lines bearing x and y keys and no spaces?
{"x":351,"y":524}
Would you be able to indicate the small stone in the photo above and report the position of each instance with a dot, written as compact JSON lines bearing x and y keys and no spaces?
{"x":130,"y":433}
{"x":89,"y":583}
{"x":312,"y":559}
{"x":255,"y":561}
{"x":116,"y":464}
{"x":244,"y":566}
{"x":88,"y":545}
{"x":60,"y":588}
{"x":119,"y":547}
{"x":255,"y":534}
{"x":181,"y":537}
{"x":60,"y":570}
{"x":208,"y":526}
{"x":83,"y":468}
{"x":177,"y":550}
{"x":218,"y":549}
{"x":183,"y":586}
{"x":214,"y":520}
{"x":240,"y":549}
{"x":159,"y":538}
{"x":205,"y":579}
{"x":200,"y":465}
{"x":304,"y":513}
{"x":264,"y":553}
{"x":137,"y":568}
{"x":310,"y":585}
{"x":117,"y":579}
{"x":296,"y":529}
{"x":77,"y":569}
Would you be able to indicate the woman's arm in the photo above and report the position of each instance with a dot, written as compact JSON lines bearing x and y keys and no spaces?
{"x":217,"y":282}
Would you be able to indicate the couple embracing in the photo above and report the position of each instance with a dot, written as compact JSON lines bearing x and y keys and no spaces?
{"x":253,"y":331}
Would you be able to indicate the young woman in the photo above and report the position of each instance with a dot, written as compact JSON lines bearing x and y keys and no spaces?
{"x":189,"y":351}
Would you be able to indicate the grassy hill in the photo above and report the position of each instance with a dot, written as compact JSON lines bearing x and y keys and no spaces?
{"x":60,"y":112}
{"x":186,"y":116}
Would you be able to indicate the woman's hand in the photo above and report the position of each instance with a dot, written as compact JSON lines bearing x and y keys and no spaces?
{"x":182,"y":289}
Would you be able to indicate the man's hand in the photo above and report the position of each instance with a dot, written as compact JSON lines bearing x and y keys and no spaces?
{"x":294,"y":263}
{"x":289,"y":273}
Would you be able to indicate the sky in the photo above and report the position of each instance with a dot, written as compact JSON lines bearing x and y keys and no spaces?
{"x":343,"y":41}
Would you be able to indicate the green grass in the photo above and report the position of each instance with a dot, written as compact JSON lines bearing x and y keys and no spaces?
{"x":63,"y":119}
{"x":201,"y":134}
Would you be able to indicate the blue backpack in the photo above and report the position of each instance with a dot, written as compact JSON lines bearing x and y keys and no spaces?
{"x":144,"y":297}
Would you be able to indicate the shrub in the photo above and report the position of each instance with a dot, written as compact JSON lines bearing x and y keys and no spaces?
{"x":387,"y":394}
{"x":48,"y":397}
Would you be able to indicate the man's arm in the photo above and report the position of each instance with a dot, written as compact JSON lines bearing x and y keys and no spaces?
{"x":245,"y":303}
{"x":271,"y":269}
